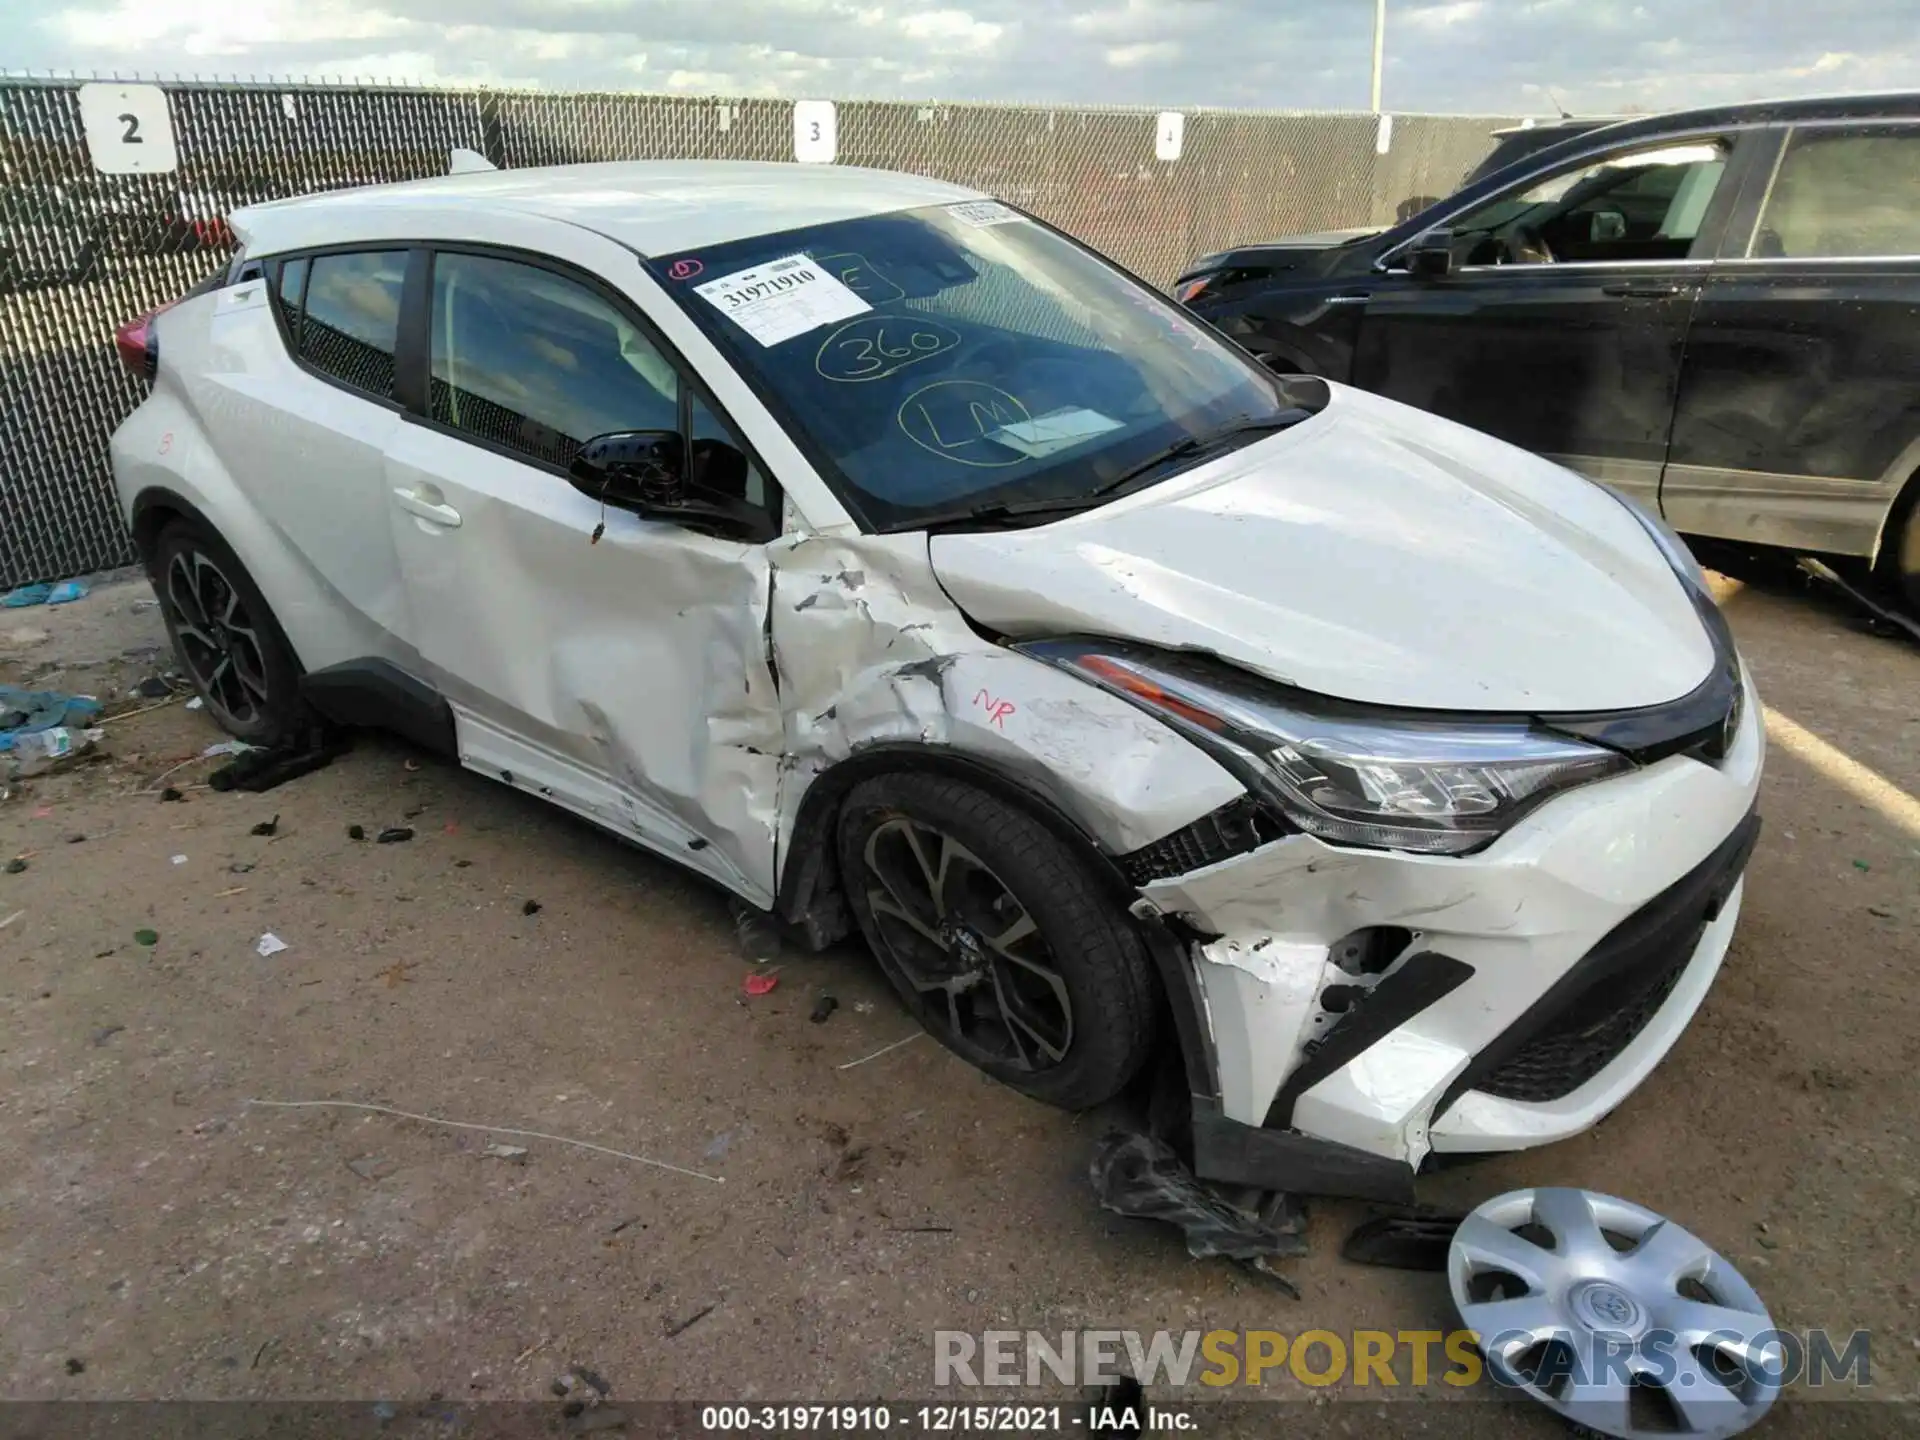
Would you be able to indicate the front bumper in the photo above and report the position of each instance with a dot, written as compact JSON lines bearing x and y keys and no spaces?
{"x":1538,"y":984}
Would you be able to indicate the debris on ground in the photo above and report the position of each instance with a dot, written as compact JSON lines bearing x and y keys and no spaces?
{"x":11,"y":918}
{"x":268,"y":944}
{"x":45,"y":594}
{"x":1887,"y":619}
{"x":717,"y":1147}
{"x":823,"y":1008}
{"x":225,"y":747}
{"x":754,"y":934}
{"x":591,"y":1378}
{"x":759,"y":984}
{"x":106,"y":1033}
{"x":75,"y":1365}
{"x":41,"y":728}
{"x":240,"y":867}
{"x":260,"y":770}
{"x":169,"y":795}
{"x":372,"y":1167}
{"x":16,"y":866}
{"x":530,"y":907}
{"x":148,"y":938}
{"x":1142,"y":1178}
{"x":884,"y":1049}
{"x":179,"y":859}
{"x":196,"y":703}
{"x":394,"y":835}
{"x":154,"y":687}
{"x":1413,"y":1239}
{"x":681,"y":1327}
{"x":266,"y":827}
{"x":356,"y":832}
{"x":496,"y":1151}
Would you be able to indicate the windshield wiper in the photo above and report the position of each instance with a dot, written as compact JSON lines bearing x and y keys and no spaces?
{"x":1193,"y":445}
{"x":993,"y":512}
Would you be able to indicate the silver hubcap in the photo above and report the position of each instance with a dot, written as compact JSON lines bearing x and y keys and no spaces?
{"x":1612,"y":1316}
{"x":954,"y":932}
{"x":217,"y":638}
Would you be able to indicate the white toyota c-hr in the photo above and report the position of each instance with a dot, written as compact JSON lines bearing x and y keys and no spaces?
{"x":878,"y":551}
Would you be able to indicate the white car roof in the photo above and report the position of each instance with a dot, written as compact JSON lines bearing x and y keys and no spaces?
{"x":657,"y":207}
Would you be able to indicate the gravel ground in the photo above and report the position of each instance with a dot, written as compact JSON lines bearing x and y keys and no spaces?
{"x":165,"y":1237}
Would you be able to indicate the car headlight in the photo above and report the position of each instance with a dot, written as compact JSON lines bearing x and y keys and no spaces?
{"x":1430,"y":784}
{"x":1668,"y":539}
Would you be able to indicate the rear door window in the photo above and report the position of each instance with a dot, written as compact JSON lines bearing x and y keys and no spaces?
{"x":1844,"y":193}
{"x":350,"y":321}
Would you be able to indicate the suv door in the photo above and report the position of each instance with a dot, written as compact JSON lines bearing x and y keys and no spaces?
{"x":1561,"y":321}
{"x":620,"y":671}
{"x":1799,"y":413}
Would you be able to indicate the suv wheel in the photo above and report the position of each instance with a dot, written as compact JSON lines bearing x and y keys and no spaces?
{"x":225,"y":636}
{"x":1000,"y":939}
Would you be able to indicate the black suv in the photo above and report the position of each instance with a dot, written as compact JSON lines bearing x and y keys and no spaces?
{"x":1718,"y":312}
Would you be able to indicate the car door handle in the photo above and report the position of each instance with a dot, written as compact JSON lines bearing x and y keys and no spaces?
{"x":429,"y":510}
{"x":1627,"y":289}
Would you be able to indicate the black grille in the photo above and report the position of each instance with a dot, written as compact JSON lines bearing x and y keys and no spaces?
{"x":1577,"y":1028}
{"x":1233,"y":829}
{"x":1559,"y":1063}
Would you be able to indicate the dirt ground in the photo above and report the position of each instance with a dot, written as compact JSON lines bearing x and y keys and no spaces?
{"x":161,"y":1236}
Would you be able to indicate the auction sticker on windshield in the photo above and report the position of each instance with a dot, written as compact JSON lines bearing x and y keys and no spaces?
{"x":781,"y":299}
{"x":982,"y":213}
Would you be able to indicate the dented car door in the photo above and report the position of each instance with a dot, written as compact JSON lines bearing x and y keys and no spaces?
{"x":614,"y":664}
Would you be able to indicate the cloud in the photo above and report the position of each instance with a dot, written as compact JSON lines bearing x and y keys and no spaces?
{"x":1492,"y":57}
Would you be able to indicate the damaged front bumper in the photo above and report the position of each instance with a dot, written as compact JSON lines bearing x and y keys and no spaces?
{"x":1363,"y":1009}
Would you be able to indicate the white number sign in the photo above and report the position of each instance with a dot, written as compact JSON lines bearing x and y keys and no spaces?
{"x":815,"y":137}
{"x":129,"y":129}
{"x":1168,"y":135}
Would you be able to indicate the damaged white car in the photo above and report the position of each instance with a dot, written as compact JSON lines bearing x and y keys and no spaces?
{"x":880,"y":552}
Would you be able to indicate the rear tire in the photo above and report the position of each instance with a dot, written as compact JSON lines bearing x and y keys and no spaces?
{"x":226,"y":638}
{"x":1000,"y":939}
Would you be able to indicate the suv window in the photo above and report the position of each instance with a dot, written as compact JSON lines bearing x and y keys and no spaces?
{"x":1647,"y":204}
{"x":535,"y":362}
{"x":1844,"y":193}
{"x":350,"y":317}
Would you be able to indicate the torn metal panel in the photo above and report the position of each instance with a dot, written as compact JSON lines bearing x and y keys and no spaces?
{"x":869,"y":650}
{"x":1261,"y":998}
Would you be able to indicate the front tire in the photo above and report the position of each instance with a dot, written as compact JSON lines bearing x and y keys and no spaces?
{"x":226,"y":638}
{"x":1001,"y":940}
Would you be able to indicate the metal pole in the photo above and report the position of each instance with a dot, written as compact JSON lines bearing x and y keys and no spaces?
{"x":1379,"y":48}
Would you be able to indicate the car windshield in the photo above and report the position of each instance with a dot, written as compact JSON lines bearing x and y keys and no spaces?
{"x":958,"y":359}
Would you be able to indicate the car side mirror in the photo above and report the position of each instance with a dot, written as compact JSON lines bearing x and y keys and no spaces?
{"x":1431,"y":257}
{"x":648,"y":472}
{"x":1607,"y":225}
{"x":640,"y":470}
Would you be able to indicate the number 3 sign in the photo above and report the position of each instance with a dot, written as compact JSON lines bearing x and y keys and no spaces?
{"x":815,"y":141}
{"x":129,"y":129}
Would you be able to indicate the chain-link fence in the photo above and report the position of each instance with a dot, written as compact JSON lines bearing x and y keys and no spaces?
{"x":82,"y":251}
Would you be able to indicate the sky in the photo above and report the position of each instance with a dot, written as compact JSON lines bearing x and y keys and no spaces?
{"x":1448,"y":56}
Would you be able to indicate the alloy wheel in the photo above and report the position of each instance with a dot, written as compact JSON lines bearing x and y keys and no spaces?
{"x":960,"y":938}
{"x":218,"y":637}
{"x":1612,"y":1316}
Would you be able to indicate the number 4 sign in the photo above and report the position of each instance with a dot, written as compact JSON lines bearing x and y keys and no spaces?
{"x":129,"y":129}
{"x":1167,"y":135}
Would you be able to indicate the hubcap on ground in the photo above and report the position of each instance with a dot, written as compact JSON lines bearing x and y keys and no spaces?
{"x":218,"y":638}
{"x":1612,"y":1316}
{"x":956,"y":933}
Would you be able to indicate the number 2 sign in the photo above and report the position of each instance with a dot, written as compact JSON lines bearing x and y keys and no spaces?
{"x":129,"y":129}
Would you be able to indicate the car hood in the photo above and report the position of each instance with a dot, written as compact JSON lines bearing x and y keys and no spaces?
{"x":1374,"y":553}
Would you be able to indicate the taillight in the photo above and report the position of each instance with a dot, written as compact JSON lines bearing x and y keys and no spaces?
{"x":139,"y":347}
{"x":1187,"y":291}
